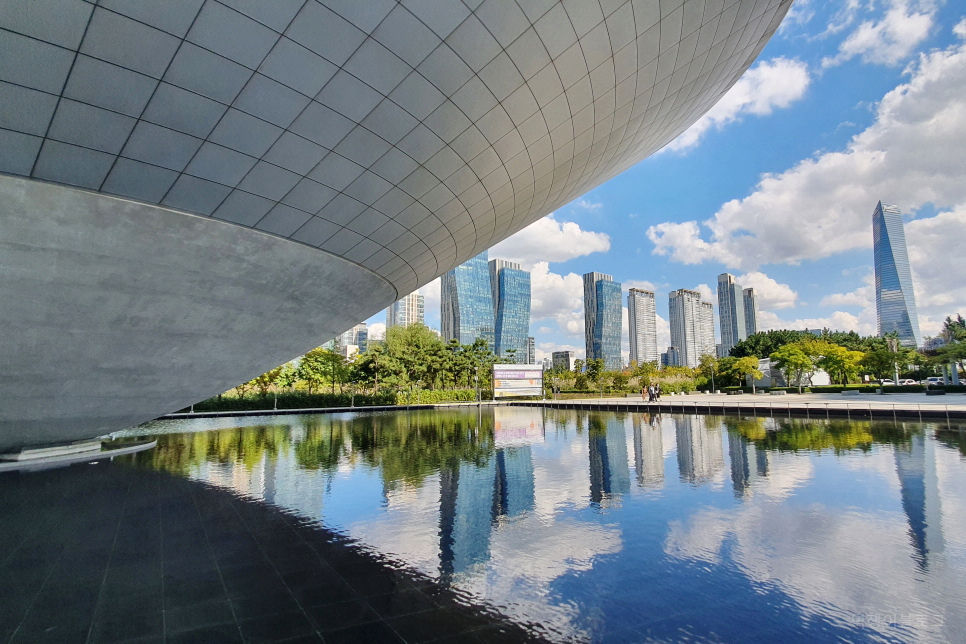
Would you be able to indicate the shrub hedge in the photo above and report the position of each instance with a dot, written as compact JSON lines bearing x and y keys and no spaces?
{"x":305,"y":400}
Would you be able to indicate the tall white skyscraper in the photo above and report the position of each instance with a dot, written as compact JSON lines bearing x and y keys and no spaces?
{"x":706,"y":343}
{"x":751,"y":311}
{"x":692,"y":327}
{"x":641,"y":318}
{"x":409,"y":310}
{"x":731,"y":311}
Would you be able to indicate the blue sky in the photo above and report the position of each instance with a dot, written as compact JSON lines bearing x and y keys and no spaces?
{"x":849,"y":103}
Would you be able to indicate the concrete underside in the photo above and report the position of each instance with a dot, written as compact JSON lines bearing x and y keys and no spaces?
{"x":114,"y":312}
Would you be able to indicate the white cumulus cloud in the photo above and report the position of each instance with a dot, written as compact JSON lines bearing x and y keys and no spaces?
{"x":890,"y":39}
{"x":377,"y":331}
{"x":771,"y":294}
{"x":770,"y":84}
{"x":557,"y":297}
{"x":912,"y":155}
{"x":549,"y":240}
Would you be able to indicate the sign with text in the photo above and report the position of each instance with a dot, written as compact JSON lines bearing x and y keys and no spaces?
{"x":517,"y":380}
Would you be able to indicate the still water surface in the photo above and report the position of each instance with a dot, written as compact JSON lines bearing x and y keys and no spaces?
{"x":627,"y":526}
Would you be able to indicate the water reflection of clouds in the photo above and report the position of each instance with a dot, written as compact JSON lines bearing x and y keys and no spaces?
{"x":840,"y":562}
{"x":541,"y":502}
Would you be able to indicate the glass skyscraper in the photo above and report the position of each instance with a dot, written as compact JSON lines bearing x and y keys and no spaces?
{"x":510,"y":288}
{"x":641,"y":318}
{"x":602,"y":319}
{"x":895,"y":302}
{"x":466,"y":307}
{"x":731,"y":311}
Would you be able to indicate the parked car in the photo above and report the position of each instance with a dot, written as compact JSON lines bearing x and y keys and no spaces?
{"x":934,"y":380}
{"x":886,"y":382}
{"x":907,"y":381}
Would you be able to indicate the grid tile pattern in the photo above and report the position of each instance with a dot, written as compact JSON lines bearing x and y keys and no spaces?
{"x":410,"y":135}
{"x":120,"y":554}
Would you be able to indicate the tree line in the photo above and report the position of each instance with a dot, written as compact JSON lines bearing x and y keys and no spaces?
{"x":415,"y":358}
{"x":409,"y":358}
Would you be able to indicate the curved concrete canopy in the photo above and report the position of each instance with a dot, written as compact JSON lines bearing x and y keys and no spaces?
{"x":120,"y":311}
{"x":404,"y":136}
{"x":397,"y":138}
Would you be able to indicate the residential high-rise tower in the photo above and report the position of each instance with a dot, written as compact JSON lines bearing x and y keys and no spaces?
{"x":692,"y":327}
{"x":409,"y":310}
{"x":466,"y":306}
{"x":895,"y":302}
{"x":602,"y":319}
{"x":751,"y":311}
{"x":510,"y":291}
{"x":642,"y":332}
{"x":731,"y":311}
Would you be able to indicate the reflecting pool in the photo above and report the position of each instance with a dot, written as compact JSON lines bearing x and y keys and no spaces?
{"x":623,"y":527}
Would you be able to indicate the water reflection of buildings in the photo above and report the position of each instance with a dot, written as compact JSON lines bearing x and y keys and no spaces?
{"x":744,"y":457}
{"x":919,"y":486}
{"x":700,"y":454}
{"x":648,"y":450}
{"x":609,"y":474}
{"x":476,"y":496}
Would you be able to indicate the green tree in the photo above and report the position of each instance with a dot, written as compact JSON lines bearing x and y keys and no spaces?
{"x":316,"y":366}
{"x":265,"y":381}
{"x":766,"y":343}
{"x":645,"y":372}
{"x":841,"y":364}
{"x":288,"y":377}
{"x":747,"y":366}
{"x":794,"y":362}
{"x":709,"y":368}
{"x":595,"y":371}
{"x":619,"y":380}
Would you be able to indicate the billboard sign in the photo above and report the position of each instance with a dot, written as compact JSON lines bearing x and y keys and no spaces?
{"x":517,"y":380}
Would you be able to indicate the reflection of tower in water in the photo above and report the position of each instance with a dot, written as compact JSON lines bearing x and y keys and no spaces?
{"x":472,"y":497}
{"x":742,"y":455}
{"x":609,"y":474}
{"x":700,"y":455}
{"x":648,"y":451}
{"x":919,"y":483}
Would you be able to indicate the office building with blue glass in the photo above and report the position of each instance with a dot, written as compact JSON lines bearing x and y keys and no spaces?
{"x":895,"y":302}
{"x":602,"y":319}
{"x":510,"y":288}
{"x":466,"y":306}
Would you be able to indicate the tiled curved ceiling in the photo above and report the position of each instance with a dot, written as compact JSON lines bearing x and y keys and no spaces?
{"x":404,"y":136}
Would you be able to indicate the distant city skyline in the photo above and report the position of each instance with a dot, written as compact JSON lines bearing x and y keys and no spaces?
{"x":776,"y":185}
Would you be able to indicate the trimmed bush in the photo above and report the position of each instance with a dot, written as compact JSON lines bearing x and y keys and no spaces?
{"x":434,"y":396}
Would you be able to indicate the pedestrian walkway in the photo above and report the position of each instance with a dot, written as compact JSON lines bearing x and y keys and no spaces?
{"x":905,"y":406}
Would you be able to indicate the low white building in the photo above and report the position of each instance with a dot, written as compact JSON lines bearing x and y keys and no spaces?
{"x":772,"y":376}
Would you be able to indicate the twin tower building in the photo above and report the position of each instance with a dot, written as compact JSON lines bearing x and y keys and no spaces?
{"x":691,"y":320}
{"x":479,"y":299}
